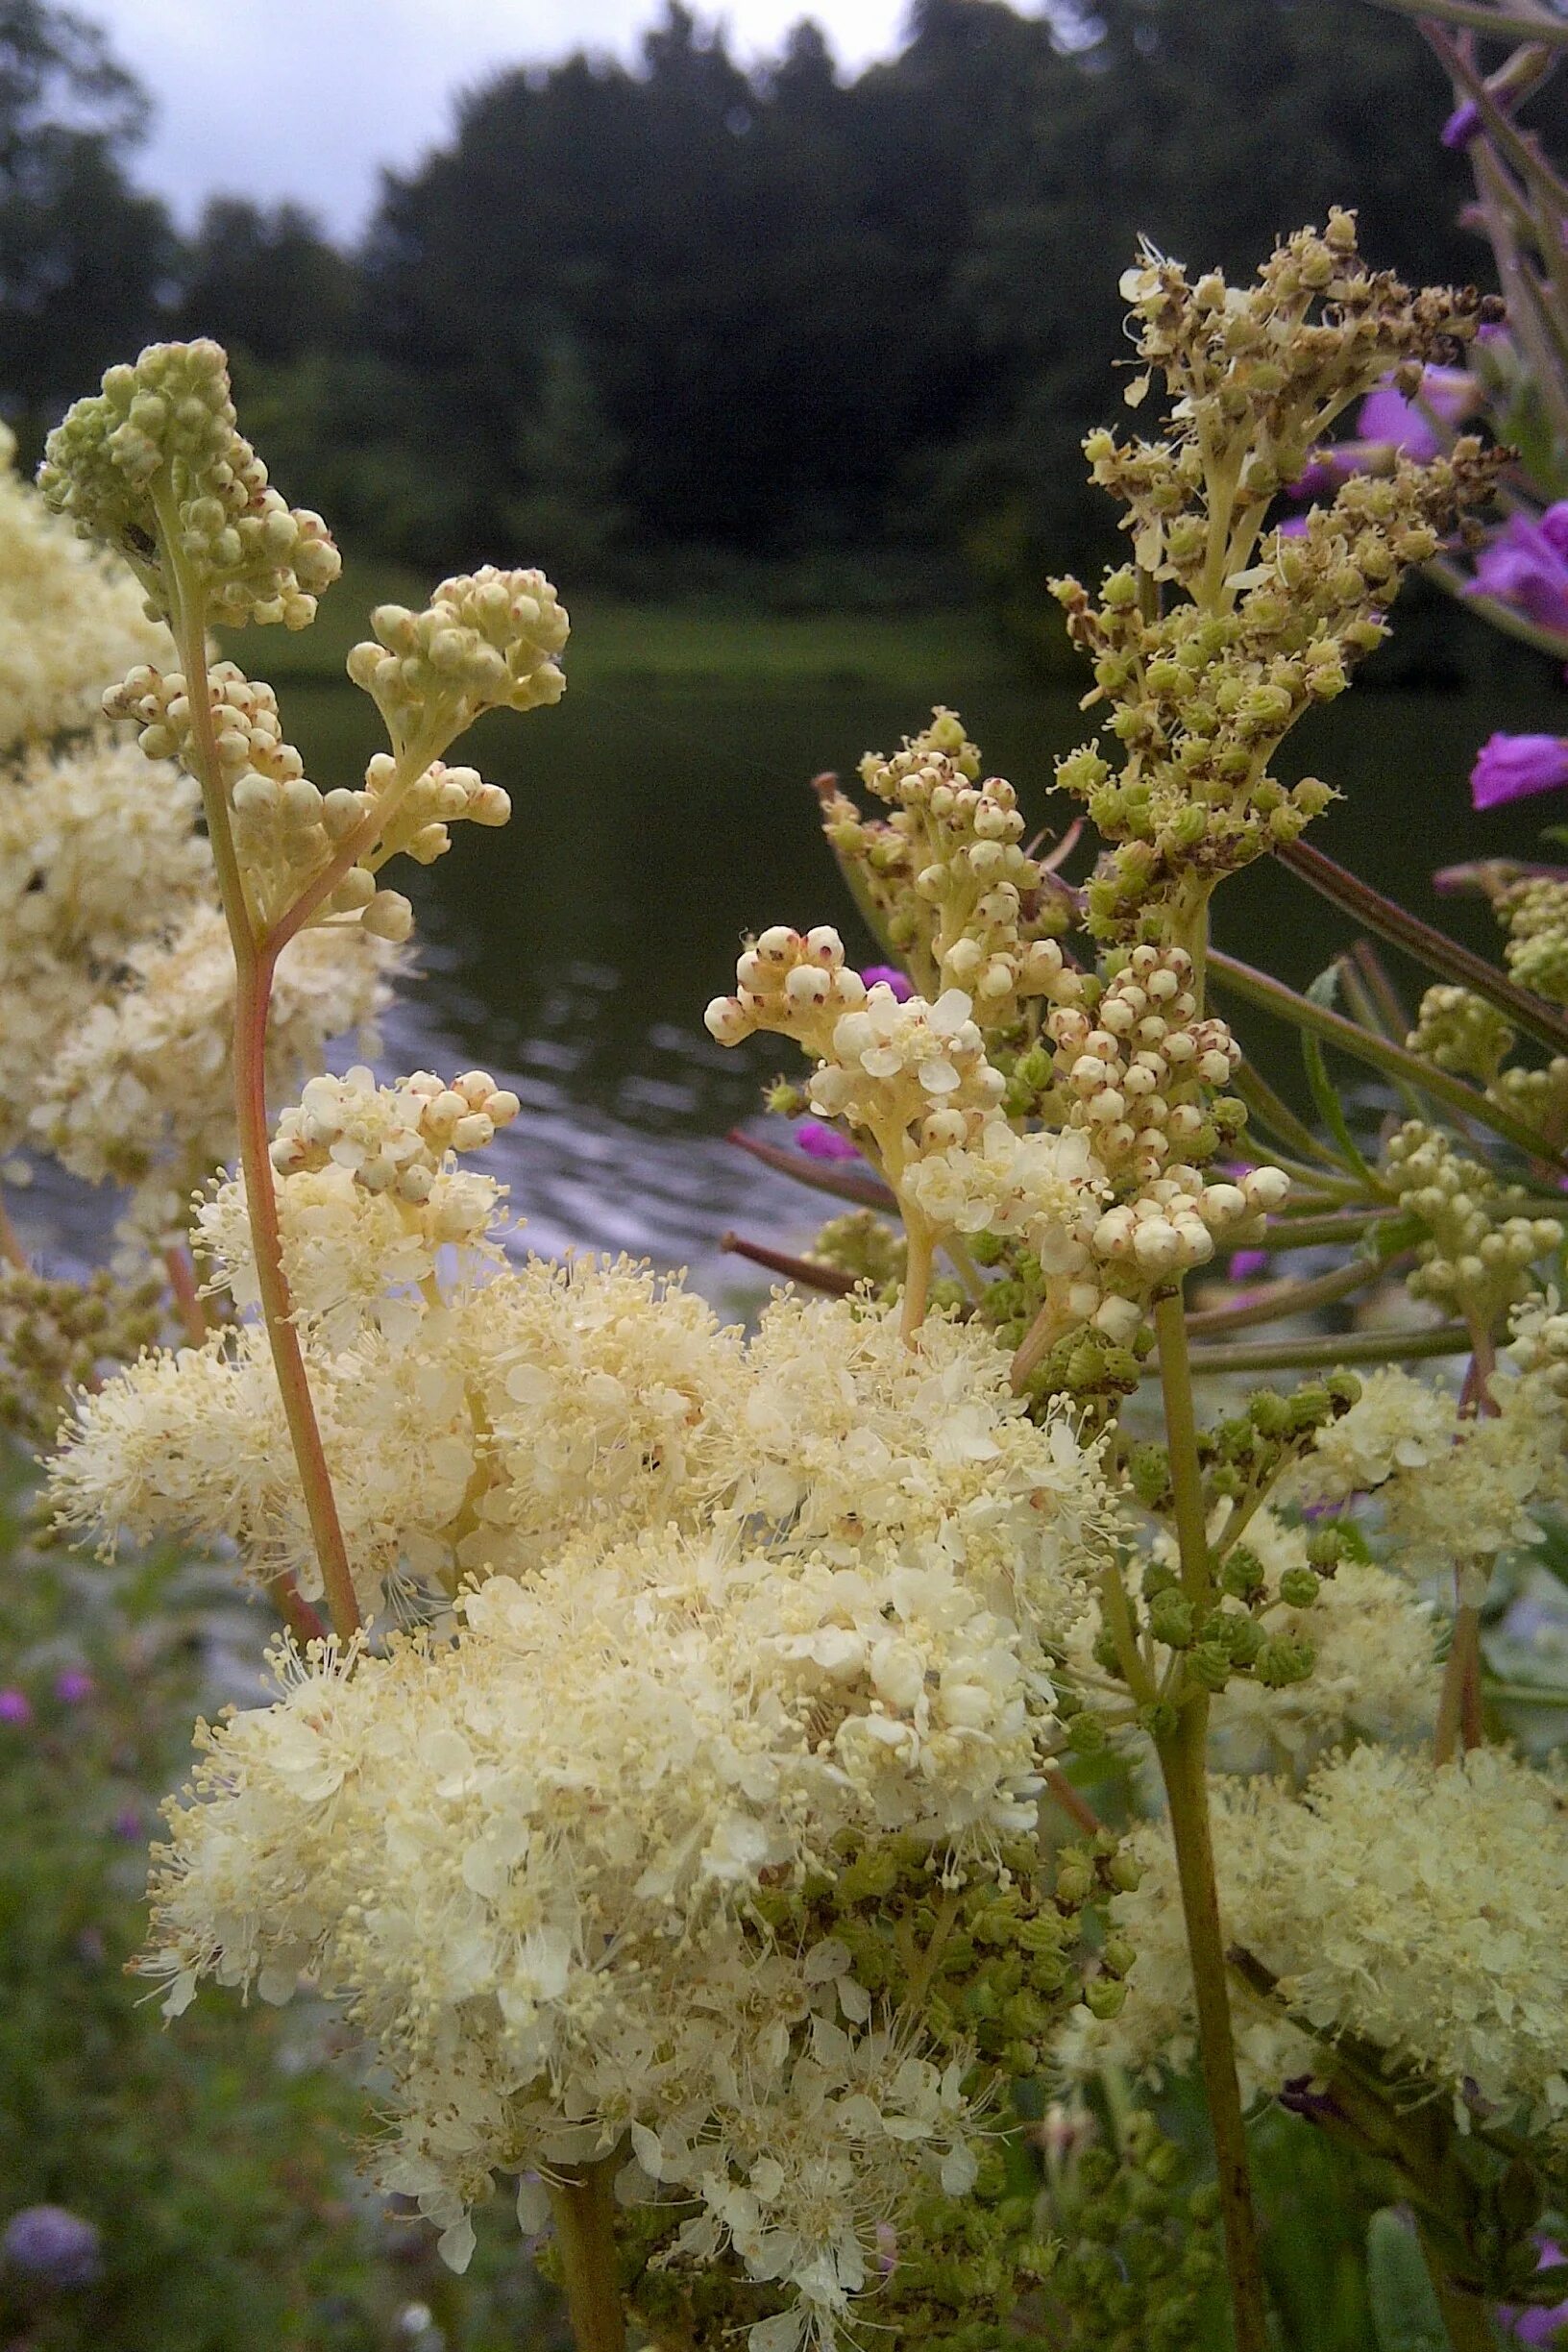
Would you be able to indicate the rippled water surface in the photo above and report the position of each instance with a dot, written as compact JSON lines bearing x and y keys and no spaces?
{"x":656,"y":819}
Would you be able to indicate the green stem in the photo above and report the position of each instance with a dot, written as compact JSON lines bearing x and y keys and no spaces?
{"x":1346,"y":1348}
{"x":1273,"y":996}
{"x":1426,"y":944}
{"x":1473,"y":16}
{"x":1289,"y":1298}
{"x":1465,"y":2315}
{"x":582,"y":2200}
{"x":1182,"y":1763}
{"x":253,"y":989}
{"x":1182,"y":1437}
{"x":917,"y":1274}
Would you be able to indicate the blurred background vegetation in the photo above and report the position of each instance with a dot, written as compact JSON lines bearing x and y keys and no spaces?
{"x":782,"y":375}
{"x":679,"y":327}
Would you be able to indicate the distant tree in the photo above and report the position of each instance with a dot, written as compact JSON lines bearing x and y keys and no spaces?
{"x":267,"y":282}
{"x":83,"y":257}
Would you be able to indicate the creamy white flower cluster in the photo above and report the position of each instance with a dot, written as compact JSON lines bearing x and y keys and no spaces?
{"x":137,"y":1090}
{"x":1538,"y":1339}
{"x":158,"y":450}
{"x":526,"y":1859}
{"x":67,"y":617}
{"x":1423,"y":1908}
{"x":286,"y":828}
{"x":488,"y":640}
{"x":1454,"y":1491}
{"x":911,"y":1075}
{"x":369,"y":1196}
{"x":960,"y":896}
{"x":97,"y":856}
{"x":476,"y":1419}
{"x":1479,"y":1248}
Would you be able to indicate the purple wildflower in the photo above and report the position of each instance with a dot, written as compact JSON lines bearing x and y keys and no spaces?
{"x":73,"y":1686}
{"x":48,"y":2244}
{"x":825,"y":1142}
{"x":1527,"y":566}
{"x":1512,"y":767}
{"x":1461,"y":124}
{"x":890,"y":976}
{"x":16,"y":1707}
{"x":1245,"y":1263}
{"x":128,"y":1824}
{"x":1446,"y":394}
{"x":1538,"y":2324}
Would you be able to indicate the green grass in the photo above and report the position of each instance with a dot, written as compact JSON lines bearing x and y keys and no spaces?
{"x":709,"y":641}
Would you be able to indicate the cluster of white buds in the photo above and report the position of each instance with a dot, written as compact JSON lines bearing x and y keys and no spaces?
{"x":488,"y":640}
{"x":157,"y":455}
{"x":1461,"y":1032}
{"x":1538,"y":1339}
{"x":285,"y":829}
{"x":913,"y":1075}
{"x":442,"y":797}
{"x":954,"y":888}
{"x":391,"y":1138}
{"x":1140,"y":1071}
{"x":1480,"y":1243}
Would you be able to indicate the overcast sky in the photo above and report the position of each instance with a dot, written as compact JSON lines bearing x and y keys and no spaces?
{"x":307,"y":98}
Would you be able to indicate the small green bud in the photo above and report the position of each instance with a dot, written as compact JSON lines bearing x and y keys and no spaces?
{"x":1171,"y":1620}
{"x":1298,"y":1588}
{"x":1243,"y":1574}
{"x":1105,"y":1997}
{"x":1086,"y":1735}
{"x":1284,"y":1659}
{"x":1209,"y":1665}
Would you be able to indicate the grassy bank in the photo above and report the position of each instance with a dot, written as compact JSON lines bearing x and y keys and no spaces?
{"x":707,"y":643}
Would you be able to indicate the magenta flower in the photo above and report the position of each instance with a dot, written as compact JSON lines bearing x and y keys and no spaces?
{"x":1537,"y":2325}
{"x":1245,"y":1263}
{"x":73,"y":1686}
{"x":1461,"y":124}
{"x":16,"y":1707}
{"x":825,"y":1142}
{"x":1527,"y":566}
{"x":890,"y":977}
{"x":1447,"y":394}
{"x":1512,"y":767}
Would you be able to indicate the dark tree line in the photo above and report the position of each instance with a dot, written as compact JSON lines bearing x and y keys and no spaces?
{"x":681,"y":313}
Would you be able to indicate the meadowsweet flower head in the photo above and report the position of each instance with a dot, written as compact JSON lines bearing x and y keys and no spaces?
{"x":1421,"y":1908}
{"x":158,"y":452}
{"x":487,"y":640}
{"x":67,"y":617}
{"x":531,"y":1861}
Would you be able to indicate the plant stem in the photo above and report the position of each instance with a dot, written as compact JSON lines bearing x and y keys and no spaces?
{"x":832,"y":1278}
{"x":1184,"y":1765}
{"x":1427,"y":944}
{"x":253,"y":989}
{"x":1348,"y":1348}
{"x":582,"y":2200}
{"x":183,"y":1289}
{"x":1289,"y":1298}
{"x":1475,"y":17}
{"x":917,"y":1274}
{"x":11,"y":1241}
{"x":1182,"y":1439}
{"x":1465,"y":2315}
{"x":1468,"y":1102}
{"x":1459,"y":1704}
{"x":835,"y":1178}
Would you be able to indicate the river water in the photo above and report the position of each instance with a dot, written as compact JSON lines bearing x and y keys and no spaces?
{"x":656,"y":819}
